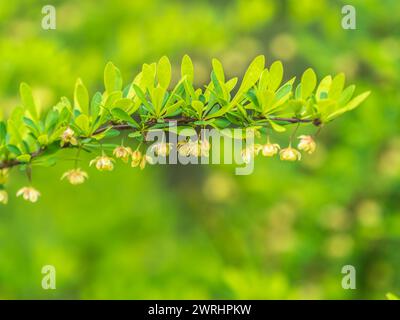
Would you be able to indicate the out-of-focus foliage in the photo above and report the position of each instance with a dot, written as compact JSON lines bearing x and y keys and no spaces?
{"x":285,"y":231}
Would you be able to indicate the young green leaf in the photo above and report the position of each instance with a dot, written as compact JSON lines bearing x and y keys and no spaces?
{"x":308,"y":83}
{"x":27,"y":100}
{"x":81,"y":97}
{"x":187,"y":68}
{"x":275,"y":75}
{"x":112,"y":78}
{"x":164,"y":72}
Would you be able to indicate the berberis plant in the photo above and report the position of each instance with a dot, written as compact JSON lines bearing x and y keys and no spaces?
{"x":261,"y":103}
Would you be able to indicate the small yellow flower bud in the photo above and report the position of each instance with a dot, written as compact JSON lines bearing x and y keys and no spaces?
{"x":270,"y":149}
{"x":103,"y":163}
{"x":136,"y":157}
{"x":290,"y":154}
{"x":122,"y":153}
{"x":307,"y":144}
{"x":3,"y":197}
{"x":145,"y":159}
{"x":75,"y":176}
{"x":3,"y":176}
{"x":29,"y":194}
{"x":68,"y":136}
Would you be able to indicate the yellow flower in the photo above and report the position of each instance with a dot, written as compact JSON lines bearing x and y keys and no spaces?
{"x":3,"y":197}
{"x":270,"y":149}
{"x":145,"y":159}
{"x":250,"y":151}
{"x":161,"y":148}
{"x":29,"y":194}
{"x":75,"y":176}
{"x":290,"y":154}
{"x":205,"y":148}
{"x":307,"y":144}
{"x":122,"y":153}
{"x":3,"y":176}
{"x":136,"y":157}
{"x":103,"y":163}
{"x":68,"y":137}
{"x":188,"y":148}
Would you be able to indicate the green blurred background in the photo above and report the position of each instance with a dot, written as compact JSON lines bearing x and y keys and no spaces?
{"x":200,"y":231}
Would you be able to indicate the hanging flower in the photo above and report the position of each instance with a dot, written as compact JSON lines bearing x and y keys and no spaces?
{"x":68,"y":136}
{"x":290,"y":154}
{"x":145,"y":159}
{"x":3,"y":176}
{"x":122,"y":153}
{"x":103,"y":163}
{"x":270,"y":149}
{"x":136,"y":157}
{"x":307,"y":144}
{"x":75,"y":176}
{"x":205,"y":148}
{"x":3,"y":197}
{"x":161,"y":148}
{"x":29,"y":194}
{"x":188,"y":148}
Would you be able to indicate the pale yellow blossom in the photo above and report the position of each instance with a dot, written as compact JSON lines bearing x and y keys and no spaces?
{"x":290,"y":154}
{"x":122,"y":153}
{"x":29,"y":194}
{"x":103,"y":163}
{"x":75,"y":176}
{"x":307,"y":144}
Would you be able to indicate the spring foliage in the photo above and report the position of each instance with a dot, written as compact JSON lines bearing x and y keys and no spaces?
{"x":30,"y":137}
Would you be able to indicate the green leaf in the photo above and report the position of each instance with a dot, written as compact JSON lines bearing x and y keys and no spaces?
{"x":218,"y":70}
{"x":95,"y":105}
{"x":81,"y":97}
{"x":276,"y":127}
{"x":337,"y":86}
{"x":308,"y":83}
{"x":275,"y":75}
{"x":82,"y":121}
{"x":24,"y":158}
{"x":3,"y":131}
{"x":112,"y":78}
{"x":355,"y":102}
{"x":28,"y":101}
{"x":164,"y":72}
{"x":323,"y":88}
{"x":122,"y":115}
{"x":252,"y":74}
{"x":187,"y":68}
{"x":13,"y":149}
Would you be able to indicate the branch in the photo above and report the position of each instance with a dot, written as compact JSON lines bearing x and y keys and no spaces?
{"x":124,"y":126}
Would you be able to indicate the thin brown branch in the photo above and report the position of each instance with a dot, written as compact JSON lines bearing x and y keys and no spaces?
{"x":124,"y":126}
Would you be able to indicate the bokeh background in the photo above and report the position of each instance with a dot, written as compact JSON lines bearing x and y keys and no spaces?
{"x":180,"y":232}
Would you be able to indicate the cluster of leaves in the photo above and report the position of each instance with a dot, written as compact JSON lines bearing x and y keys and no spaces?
{"x":30,"y":137}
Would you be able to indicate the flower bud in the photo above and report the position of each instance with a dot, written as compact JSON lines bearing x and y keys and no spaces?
{"x":3,"y":197}
{"x":68,"y":136}
{"x":3,"y":176}
{"x":136,"y":157}
{"x":307,"y":144}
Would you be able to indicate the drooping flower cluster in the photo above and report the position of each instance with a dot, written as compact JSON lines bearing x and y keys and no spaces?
{"x":306,"y":144}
